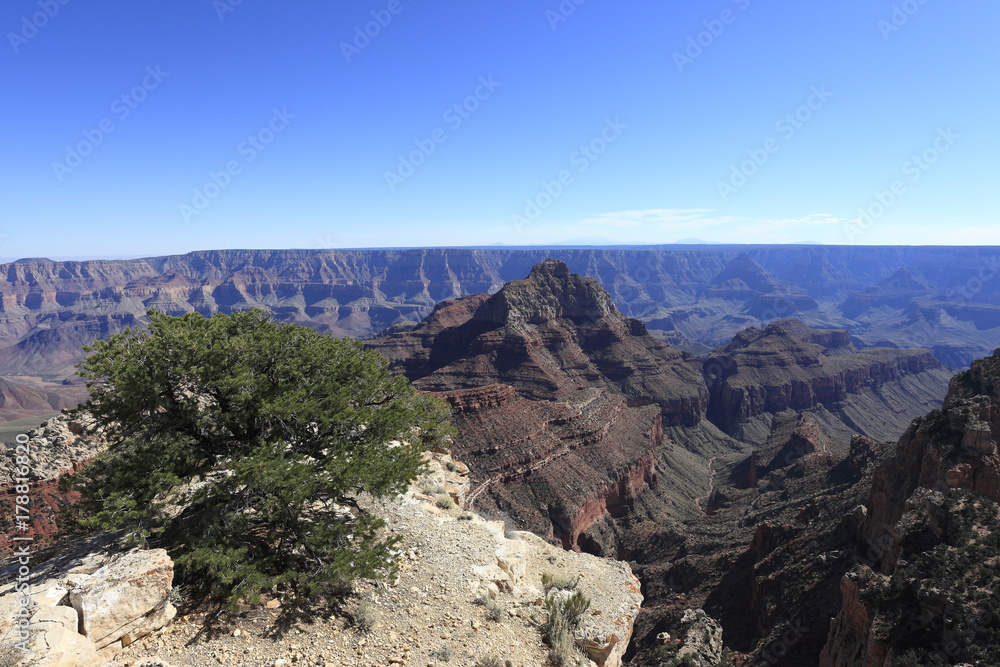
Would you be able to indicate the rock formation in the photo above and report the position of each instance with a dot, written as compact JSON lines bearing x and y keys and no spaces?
{"x":548,"y":336}
{"x":926,"y":587}
{"x":698,"y":296}
{"x":55,"y":448}
{"x":787,"y":366}
{"x":561,"y":402}
{"x":83,"y":608}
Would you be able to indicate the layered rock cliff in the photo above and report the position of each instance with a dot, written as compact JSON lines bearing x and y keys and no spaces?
{"x":694,"y":295}
{"x":564,"y":469}
{"x":561,"y":404}
{"x":787,"y":366}
{"x":549,"y":335}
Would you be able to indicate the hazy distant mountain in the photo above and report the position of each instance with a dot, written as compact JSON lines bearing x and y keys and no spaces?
{"x":599,"y":241}
{"x":695,"y":297}
{"x":694,"y":241}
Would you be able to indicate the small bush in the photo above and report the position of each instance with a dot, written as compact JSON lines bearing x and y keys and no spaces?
{"x":564,"y":615}
{"x":178,"y":596}
{"x":489,"y":661}
{"x":465,"y":516}
{"x":442,"y":653}
{"x":494,"y":610}
{"x":562,"y":582}
{"x":363,"y":616}
{"x":496,"y":613}
{"x":444,"y":501}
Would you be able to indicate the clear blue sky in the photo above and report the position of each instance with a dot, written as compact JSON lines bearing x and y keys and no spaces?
{"x":339,"y":140}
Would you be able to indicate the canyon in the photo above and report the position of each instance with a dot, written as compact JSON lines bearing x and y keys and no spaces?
{"x":720,"y":481}
{"x":696,"y":297}
{"x":723,"y":419}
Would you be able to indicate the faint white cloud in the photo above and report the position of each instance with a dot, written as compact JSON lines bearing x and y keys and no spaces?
{"x":668,"y":225}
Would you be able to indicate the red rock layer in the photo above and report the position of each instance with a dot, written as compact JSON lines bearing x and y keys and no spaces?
{"x":771,"y":370}
{"x":557,"y":466}
{"x":548,"y":336}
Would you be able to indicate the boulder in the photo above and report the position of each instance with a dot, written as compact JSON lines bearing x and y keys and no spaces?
{"x":702,"y":638}
{"x":57,"y":643}
{"x":86,"y":604}
{"x":125,"y":599}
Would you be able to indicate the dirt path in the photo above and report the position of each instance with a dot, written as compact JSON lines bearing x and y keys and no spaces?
{"x":711,"y":485}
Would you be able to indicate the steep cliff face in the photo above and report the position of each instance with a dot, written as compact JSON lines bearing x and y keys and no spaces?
{"x":562,"y":404}
{"x":929,"y":533}
{"x":558,"y":467}
{"x":787,"y":366}
{"x":952,"y":448}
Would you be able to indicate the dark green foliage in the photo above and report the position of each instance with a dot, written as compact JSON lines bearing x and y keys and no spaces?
{"x":282,"y":424}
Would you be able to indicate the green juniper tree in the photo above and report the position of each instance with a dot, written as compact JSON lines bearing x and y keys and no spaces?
{"x":239,"y":444}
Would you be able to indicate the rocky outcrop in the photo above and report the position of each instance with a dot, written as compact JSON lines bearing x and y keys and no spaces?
{"x":833,"y":341}
{"x":853,"y":638}
{"x":699,"y":641}
{"x":506,"y":568}
{"x":794,"y":436}
{"x":931,"y":504}
{"x":57,"y":447}
{"x":766,"y":371}
{"x":548,"y":336}
{"x":84,"y":607}
{"x":124,"y":599}
{"x":561,"y":401}
{"x":605,"y":631}
{"x":952,"y":448}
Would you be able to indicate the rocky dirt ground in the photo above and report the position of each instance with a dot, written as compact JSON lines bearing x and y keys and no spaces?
{"x":432,"y":614}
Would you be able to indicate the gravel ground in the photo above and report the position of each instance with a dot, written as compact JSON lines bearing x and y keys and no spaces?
{"x":429,"y":616}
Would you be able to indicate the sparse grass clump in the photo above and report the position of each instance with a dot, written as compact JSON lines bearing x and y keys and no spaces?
{"x":489,"y":661}
{"x":444,"y":501}
{"x":363,"y":616}
{"x":562,"y":582}
{"x":494,"y":610}
{"x":442,"y":653}
{"x":564,"y":615}
{"x":430,"y":488}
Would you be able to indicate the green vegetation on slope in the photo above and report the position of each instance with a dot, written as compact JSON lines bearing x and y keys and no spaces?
{"x":239,"y":444}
